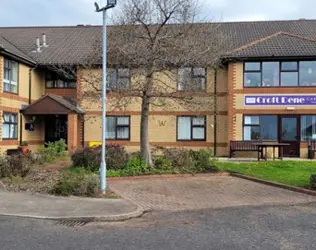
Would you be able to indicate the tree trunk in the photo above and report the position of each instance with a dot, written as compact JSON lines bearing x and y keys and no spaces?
{"x":144,"y":135}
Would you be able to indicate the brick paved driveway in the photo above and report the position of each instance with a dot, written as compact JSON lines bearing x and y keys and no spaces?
{"x":175,"y":194}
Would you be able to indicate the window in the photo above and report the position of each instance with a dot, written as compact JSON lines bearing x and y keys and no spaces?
{"x":55,"y":80}
{"x":289,"y":74}
{"x":191,"y":128}
{"x":118,"y":79}
{"x":308,"y":73}
{"x":285,"y":74}
{"x":9,"y":126}
{"x":265,"y":74}
{"x":191,"y":79}
{"x":263,"y":127}
{"x":10,"y":76}
{"x":308,"y":127}
{"x":118,"y":127}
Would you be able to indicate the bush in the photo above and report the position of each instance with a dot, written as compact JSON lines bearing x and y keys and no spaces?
{"x":90,"y":157}
{"x":180,"y":159}
{"x":162,"y":163}
{"x":78,"y":183}
{"x":18,"y":165}
{"x":135,"y":166}
{"x":52,"y":151}
{"x":184,"y":160}
{"x":203,"y":160}
{"x":116,"y":156}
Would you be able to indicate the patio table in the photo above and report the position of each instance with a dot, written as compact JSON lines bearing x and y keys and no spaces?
{"x":266,"y":145}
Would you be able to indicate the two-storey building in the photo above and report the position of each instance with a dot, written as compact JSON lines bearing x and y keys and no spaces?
{"x":265,"y":89}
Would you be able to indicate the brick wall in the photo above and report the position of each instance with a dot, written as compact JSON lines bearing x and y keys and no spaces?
{"x":72,"y":132}
{"x":71,"y":93}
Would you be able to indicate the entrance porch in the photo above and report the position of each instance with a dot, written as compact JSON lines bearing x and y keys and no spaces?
{"x":52,"y":118}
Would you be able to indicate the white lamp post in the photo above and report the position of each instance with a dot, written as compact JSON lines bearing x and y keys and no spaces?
{"x":110,"y":4}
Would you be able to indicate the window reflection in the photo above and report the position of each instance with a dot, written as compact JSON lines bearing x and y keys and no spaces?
{"x":308,"y":73}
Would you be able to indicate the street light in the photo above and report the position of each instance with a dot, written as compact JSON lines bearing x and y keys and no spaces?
{"x":110,"y":4}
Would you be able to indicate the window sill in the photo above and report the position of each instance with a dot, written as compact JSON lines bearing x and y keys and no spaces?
{"x":277,"y":87}
{"x":59,"y":88}
{"x":193,"y":140}
{"x":118,"y":139}
{"x":11,"y":93}
{"x":9,"y":139}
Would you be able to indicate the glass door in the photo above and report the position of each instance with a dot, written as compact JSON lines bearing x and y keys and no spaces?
{"x":289,"y":133}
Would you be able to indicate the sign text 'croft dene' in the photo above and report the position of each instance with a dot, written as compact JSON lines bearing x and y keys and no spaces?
{"x":280,"y":100}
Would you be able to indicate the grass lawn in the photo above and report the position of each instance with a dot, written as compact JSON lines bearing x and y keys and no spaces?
{"x":296,"y":173}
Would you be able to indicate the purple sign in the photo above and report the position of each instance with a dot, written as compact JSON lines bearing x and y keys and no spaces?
{"x":268,"y":100}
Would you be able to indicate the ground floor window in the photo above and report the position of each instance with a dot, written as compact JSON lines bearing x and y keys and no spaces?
{"x":191,"y":128}
{"x":9,"y":125}
{"x":308,"y":127}
{"x":260,"y":127}
{"x":118,"y":127}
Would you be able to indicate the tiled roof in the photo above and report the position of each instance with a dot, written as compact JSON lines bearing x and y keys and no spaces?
{"x":280,"y":44}
{"x":10,"y":48}
{"x":75,"y":44}
{"x":68,"y":103}
{"x":64,"y":101}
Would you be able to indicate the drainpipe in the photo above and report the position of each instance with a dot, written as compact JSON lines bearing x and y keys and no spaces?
{"x":21,"y":139}
{"x":215,"y":112}
{"x":83,"y":131}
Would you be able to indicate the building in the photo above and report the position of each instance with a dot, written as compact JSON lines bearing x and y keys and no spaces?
{"x":266,"y":89}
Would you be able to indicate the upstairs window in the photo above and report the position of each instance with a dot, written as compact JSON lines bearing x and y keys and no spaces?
{"x":307,"y":71}
{"x":59,"y":81}
{"x":10,"y":76}
{"x":284,"y":74}
{"x":289,"y":74}
{"x":261,"y":74}
{"x":192,"y":79}
{"x":118,"y":79}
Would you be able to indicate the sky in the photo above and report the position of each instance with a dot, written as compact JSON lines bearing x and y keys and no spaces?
{"x":74,"y":12}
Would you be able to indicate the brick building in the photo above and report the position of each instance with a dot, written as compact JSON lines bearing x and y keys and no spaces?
{"x":264,"y":90}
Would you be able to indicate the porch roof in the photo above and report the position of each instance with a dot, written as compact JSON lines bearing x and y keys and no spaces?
{"x":52,"y":105}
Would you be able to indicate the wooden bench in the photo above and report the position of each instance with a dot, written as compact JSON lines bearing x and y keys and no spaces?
{"x":311,"y":149}
{"x":243,"y":146}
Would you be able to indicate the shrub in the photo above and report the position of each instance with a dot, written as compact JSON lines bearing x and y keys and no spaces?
{"x":18,"y":165}
{"x":78,"y":183}
{"x":184,"y":160}
{"x":52,"y":151}
{"x":203,"y":160}
{"x":180,"y":159}
{"x":116,"y":156}
{"x":90,"y":157}
{"x":135,"y":166}
{"x":162,"y":163}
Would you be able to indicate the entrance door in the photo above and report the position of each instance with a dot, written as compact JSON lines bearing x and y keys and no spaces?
{"x":55,"y":128}
{"x":290,"y":133}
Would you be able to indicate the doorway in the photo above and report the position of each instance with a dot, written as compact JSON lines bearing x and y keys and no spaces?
{"x":290,"y":133}
{"x":55,"y":128}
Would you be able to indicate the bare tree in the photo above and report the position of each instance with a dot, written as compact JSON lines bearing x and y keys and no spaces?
{"x":161,"y":41}
{"x":158,"y":37}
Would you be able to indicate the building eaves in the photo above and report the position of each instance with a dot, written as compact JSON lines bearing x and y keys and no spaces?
{"x":9,"y":49}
